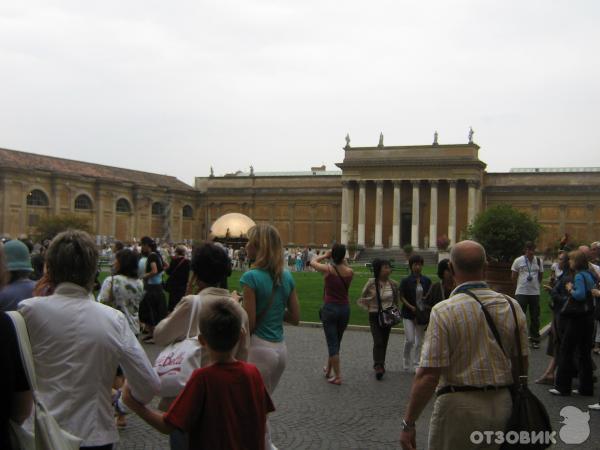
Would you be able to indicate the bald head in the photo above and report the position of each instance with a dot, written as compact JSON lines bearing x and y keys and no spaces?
{"x":585,"y":250}
{"x":468,"y":259}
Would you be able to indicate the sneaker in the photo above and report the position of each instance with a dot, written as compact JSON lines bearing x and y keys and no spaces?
{"x":595,"y":406}
{"x":379,"y":371}
{"x":555,"y":391}
{"x":535,"y":345}
{"x":575,"y":392}
{"x":406,"y":365}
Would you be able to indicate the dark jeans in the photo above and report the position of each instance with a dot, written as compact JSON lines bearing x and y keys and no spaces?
{"x":98,"y":447}
{"x":335,"y":319}
{"x":381,"y":335}
{"x":576,"y":341}
{"x":533,"y":301}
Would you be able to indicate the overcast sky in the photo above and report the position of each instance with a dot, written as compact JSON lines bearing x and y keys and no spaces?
{"x":175,"y":87}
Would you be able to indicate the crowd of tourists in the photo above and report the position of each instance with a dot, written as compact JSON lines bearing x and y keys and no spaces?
{"x":225,"y":353}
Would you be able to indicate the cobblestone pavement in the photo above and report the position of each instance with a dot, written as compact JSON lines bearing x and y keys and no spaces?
{"x":362,"y":413}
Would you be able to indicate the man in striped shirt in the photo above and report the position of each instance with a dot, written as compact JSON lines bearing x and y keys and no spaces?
{"x":463,"y":363}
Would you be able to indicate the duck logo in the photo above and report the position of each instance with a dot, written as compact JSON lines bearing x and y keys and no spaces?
{"x":576,"y":427}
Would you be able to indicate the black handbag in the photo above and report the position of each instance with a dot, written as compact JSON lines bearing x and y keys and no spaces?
{"x":389,"y":316}
{"x":528,"y":414}
{"x":579,"y":308}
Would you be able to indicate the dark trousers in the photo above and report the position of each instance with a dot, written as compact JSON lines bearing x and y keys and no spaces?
{"x":335,"y":319}
{"x":175,"y":295}
{"x":576,"y":342}
{"x":153,"y":307}
{"x":381,"y":335}
{"x":533,"y":302}
{"x":98,"y":447}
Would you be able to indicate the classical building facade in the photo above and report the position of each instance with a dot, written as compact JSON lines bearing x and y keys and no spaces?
{"x":382,"y":196}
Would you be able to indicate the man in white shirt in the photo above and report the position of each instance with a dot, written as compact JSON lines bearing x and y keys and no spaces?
{"x":528,"y":271}
{"x":78,"y":344}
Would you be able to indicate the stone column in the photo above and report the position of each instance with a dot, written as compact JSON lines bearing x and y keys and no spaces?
{"x":362,"y":200}
{"x":292,"y":218}
{"x":452,"y":212}
{"x":396,"y":216}
{"x":344,"y":227}
{"x":350,"y":208}
{"x":313,"y":224}
{"x":5,"y":201}
{"x":55,"y":201}
{"x":135,"y":197}
{"x":433,"y":215}
{"x":414,"y":239}
{"x":472,"y":201}
{"x":98,"y":204}
{"x":379,"y":215}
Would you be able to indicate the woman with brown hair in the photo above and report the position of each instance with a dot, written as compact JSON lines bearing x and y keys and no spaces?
{"x":269,"y":299}
{"x":577,"y":317}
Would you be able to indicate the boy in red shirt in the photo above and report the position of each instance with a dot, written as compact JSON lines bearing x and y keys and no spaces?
{"x":223,"y":405}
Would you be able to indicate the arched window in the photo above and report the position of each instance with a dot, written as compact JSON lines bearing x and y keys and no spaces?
{"x":188,"y":212}
{"x":37,"y":198}
{"x":83,"y":202}
{"x":158,"y":209}
{"x":123,"y":206}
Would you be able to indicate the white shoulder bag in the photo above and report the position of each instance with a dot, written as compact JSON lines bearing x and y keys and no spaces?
{"x":175,"y":364}
{"x":47,"y":434}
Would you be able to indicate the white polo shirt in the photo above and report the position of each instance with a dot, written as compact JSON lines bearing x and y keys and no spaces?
{"x":528,"y":269}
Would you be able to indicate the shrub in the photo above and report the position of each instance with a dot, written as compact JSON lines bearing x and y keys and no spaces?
{"x":503,"y":232}
{"x":443,"y":242}
{"x":408,"y":249}
{"x":48,"y":227}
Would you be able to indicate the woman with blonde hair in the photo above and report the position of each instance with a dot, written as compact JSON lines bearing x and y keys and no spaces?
{"x":269,"y":299}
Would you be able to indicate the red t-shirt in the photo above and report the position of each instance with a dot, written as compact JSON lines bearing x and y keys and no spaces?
{"x":223,"y":406}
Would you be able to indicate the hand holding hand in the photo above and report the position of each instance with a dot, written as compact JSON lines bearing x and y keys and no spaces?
{"x":129,"y":400}
{"x":569,"y":286}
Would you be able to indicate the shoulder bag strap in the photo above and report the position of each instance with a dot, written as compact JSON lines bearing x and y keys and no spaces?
{"x":489,"y":320}
{"x":192,"y":316}
{"x":517,"y":337}
{"x":341,"y":278}
{"x":111,"y":296}
{"x":24,"y":347}
{"x":264,"y":312}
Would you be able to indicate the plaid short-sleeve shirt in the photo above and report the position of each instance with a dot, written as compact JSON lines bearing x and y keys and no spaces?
{"x":460,"y":342}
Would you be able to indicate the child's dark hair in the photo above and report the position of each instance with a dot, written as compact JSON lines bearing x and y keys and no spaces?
{"x":128,"y":263}
{"x":443,"y":265}
{"x":220,"y":324}
{"x":415,"y":259}
{"x":338,"y":253}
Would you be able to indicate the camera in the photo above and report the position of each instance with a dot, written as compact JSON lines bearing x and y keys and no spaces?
{"x":529,"y":278}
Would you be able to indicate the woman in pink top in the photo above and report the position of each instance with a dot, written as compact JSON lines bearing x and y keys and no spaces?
{"x":335,"y":313}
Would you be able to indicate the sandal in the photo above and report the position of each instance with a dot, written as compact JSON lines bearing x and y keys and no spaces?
{"x":326,"y":373}
{"x":335,"y":380}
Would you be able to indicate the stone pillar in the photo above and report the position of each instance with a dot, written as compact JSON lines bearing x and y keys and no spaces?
{"x":379,"y":215}
{"x":472,"y":201}
{"x":98,"y":208}
{"x":362,"y":204}
{"x":344,"y":227}
{"x":55,"y":201}
{"x":350,"y":208}
{"x":433,"y":215}
{"x":313,"y":224}
{"x":292,"y":218}
{"x":135,"y":197}
{"x":452,"y":212}
{"x":414,"y":239}
{"x":396,"y":216}
{"x":5,"y":207}
{"x":562,"y":219}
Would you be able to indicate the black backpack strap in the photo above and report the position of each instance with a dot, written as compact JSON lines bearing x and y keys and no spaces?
{"x":489,"y":320}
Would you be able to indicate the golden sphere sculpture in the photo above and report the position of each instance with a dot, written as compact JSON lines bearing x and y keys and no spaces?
{"x":231,"y":226}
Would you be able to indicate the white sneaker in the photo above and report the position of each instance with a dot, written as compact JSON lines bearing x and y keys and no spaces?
{"x":595,"y":406}
{"x":406,"y":365}
{"x":554,"y":391}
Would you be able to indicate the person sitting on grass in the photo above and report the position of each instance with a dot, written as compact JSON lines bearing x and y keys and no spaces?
{"x":223,"y":405}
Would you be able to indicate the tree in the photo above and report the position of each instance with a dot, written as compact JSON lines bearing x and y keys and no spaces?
{"x":503,"y":232}
{"x":48,"y":227}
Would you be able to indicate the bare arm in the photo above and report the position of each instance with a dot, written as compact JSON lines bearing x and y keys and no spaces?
{"x":21,"y":406}
{"x":423,"y":388}
{"x":292,"y":313}
{"x":153,"y":418}
{"x":153,"y":271}
{"x":514,"y":275}
{"x":315,"y":263}
{"x":250,"y":307}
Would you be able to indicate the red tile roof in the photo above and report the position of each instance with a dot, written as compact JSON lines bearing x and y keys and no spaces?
{"x":22,"y":160}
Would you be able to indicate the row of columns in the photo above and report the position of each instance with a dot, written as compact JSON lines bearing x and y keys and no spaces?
{"x":348,"y":211}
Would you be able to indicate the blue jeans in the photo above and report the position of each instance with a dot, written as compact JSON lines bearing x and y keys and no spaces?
{"x":335,"y":320}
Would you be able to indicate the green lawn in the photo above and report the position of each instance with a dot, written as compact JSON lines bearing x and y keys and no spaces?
{"x":309,"y":286}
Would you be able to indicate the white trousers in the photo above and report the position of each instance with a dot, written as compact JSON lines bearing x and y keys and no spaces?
{"x":270,"y":359}
{"x":413,"y":337}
